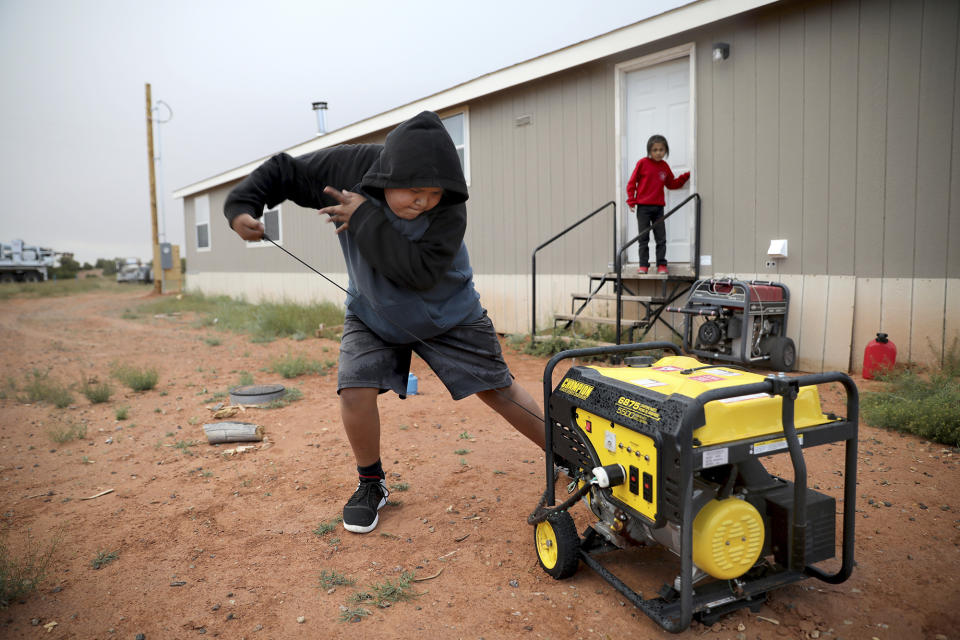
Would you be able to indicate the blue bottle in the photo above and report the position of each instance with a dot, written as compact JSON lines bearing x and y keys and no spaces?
{"x":411,"y":385}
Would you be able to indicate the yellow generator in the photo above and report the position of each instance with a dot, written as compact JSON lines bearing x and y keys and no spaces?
{"x":668,"y":452}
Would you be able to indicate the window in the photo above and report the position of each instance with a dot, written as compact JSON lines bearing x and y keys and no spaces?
{"x":271,"y":226}
{"x":201,"y":210}
{"x":458,"y":128}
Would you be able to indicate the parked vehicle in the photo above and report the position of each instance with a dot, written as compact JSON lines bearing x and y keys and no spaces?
{"x":133,"y":270}
{"x":21,"y":262}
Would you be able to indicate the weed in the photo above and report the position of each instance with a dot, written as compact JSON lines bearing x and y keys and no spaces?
{"x":40,"y":387}
{"x":390,"y":592}
{"x":400,"y":486}
{"x":497,"y":472}
{"x":21,"y":573}
{"x":134,"y":377}
{"x":62,"y":433}
{"x":103,"y":558}
{"x":330,"y":579}
{"x":334,"y":542}
{"x":326,"y":527}
{"x":246,"y":379}
{"x":213,"y":342}
{"x":922,"y":405}
{"x":462,"y":452}
{"x":465,"y":436}
{"x":184,"y":446}
{"x":463,"y":462}
{"x":354,"y":615}
{"x":292,"y":395}
{"x":122,"y":413}
{"x":86,"y":460}
{"x":96,"y":392}
{"x":394,"y":503}
{"x":291,"y":366}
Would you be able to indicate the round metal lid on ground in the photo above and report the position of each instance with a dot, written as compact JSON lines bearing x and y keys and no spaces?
{"x":257,"y":393}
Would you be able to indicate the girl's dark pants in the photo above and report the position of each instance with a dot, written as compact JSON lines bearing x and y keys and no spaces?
{"x":646,"y":214}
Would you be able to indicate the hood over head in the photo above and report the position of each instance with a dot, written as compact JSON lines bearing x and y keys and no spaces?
{"x":418,"y":153}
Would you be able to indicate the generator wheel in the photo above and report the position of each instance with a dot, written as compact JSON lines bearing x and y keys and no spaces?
{"x":558,"y":545}
{"x":783,"y":353}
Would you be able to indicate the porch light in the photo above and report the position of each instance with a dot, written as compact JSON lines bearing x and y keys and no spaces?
{"x":721,"y":51}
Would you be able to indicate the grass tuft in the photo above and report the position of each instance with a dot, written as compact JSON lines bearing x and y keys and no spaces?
{"x":22,"y":573}
{"x":390,"y":592}
{"x":330,"y":579}
{"x":355,"y":614}
{"x":292,"y":366}
{"x":122,"y":413}
{"x":40,"y":387}
{"x":326,"y":527}
{"x":62,"y":433}
{"x":134,"y":377}
{"x":96,"y":392}
{"x":292,"y":395}
{"x":103,"y":558}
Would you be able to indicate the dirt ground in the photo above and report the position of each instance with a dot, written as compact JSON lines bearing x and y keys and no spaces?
{"x":222,"y":545}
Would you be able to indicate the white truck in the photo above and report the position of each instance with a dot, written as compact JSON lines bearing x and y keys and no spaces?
{"x":133,"y":270}
{"x":20,"y":262}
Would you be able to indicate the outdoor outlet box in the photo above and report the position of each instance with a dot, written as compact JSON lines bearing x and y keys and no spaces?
{"x":770,"y":264}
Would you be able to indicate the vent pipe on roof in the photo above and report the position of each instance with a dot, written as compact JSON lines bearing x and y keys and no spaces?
{"x":320,"y":108}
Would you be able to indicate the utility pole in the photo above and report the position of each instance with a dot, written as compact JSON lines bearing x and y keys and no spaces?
{"x":157,"y":269}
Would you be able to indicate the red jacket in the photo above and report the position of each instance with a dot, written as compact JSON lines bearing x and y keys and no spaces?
{"x":648,"y":180}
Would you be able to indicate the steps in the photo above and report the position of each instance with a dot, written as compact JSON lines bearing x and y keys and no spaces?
{"x":646,"y":294}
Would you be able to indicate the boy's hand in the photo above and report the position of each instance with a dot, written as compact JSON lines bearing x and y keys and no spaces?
{"x":247,"y":227}
{"x":341,"y":213}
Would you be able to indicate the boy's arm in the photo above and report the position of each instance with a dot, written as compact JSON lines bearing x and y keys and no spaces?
{"x":419,"y":264}
{"x":300,"y":179}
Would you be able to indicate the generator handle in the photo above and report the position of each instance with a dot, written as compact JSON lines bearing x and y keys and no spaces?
{"x":548,"y":389}
{"x":850,"y":475}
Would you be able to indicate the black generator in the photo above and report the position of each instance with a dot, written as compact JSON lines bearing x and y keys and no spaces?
{"x":743,"y":322}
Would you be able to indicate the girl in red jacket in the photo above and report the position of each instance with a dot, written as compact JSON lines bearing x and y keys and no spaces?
{"x":645,"y":192}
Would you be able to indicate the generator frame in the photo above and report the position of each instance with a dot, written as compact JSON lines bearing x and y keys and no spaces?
{"x":714,"y":599}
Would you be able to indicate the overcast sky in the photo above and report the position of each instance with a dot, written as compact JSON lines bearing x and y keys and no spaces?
{"x":239,"y":76}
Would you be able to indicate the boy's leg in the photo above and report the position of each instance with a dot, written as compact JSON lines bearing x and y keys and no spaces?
{"x":367,"y":366}
{"x":519,"y":409}
{"x":361,"y":421}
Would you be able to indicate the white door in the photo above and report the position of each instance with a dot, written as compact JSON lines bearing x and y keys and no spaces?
{"x":658,"y":102}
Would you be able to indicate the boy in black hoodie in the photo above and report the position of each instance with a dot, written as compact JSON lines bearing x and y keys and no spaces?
{"x":400,"y":216}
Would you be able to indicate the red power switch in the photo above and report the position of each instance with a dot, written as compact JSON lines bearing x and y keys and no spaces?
{"x":634,"y":480}
{"x":648,"y":487}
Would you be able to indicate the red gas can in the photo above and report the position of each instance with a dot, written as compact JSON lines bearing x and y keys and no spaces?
{"x":879,"y":354}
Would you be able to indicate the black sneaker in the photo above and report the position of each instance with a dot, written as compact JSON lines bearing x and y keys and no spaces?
{"x":360,"y":512}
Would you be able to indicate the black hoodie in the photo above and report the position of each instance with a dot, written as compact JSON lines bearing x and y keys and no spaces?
{"x":411,"y":273}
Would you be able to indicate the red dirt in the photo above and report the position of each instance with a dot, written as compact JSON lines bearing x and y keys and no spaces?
{"x":224,"y":546}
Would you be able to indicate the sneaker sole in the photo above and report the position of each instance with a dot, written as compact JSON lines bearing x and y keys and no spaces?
{"x":357,"y":528}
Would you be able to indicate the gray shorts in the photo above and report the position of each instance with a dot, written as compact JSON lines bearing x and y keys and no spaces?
{"x":467,"y":359}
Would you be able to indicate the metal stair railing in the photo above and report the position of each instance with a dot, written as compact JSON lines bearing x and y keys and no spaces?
{"x":613,"y":207}
{"x":618,"y":258}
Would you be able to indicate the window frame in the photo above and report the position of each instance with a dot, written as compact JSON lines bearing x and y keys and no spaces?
{"x":202,"y":203}
{"x":465,"y":112}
